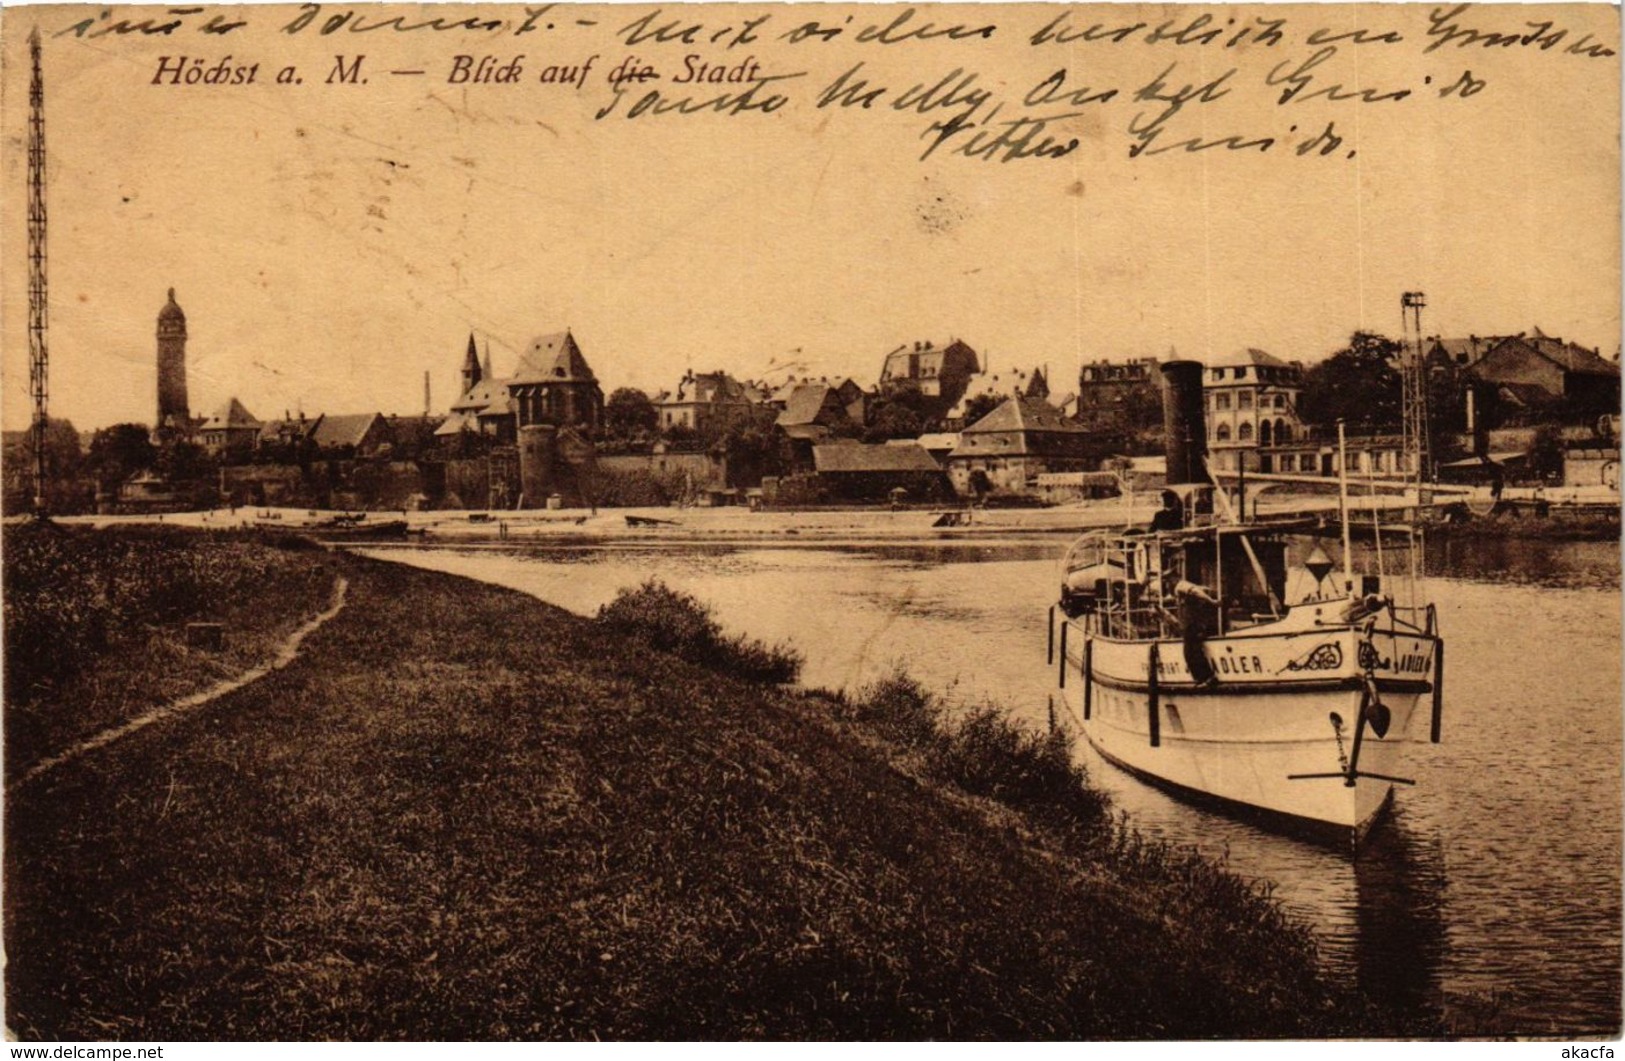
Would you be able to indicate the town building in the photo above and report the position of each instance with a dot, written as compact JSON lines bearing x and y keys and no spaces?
{"x":351,"y":435}
{"x":287,"y":436}
{"x":853,"y":398}
{"x":703,"y":402}
{"x":1011,"y":446}
{"x":1536,"y":371}
{"x":812,"y":411}
{"x":1458,"y":353}
{"x":940,"y":373}
{"x":1369,"y":456}
{"x":230,"y":430}
{"x":1107,"y":387}
{"x":1252,"y":402}
{"x":988,"y":389}
{"x":852,"y":471}
{"x":552,"y":385}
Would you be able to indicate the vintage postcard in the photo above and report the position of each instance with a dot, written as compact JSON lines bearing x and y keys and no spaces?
{"x":811,"y":521}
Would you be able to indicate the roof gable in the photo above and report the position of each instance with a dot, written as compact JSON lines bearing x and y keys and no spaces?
{"x":807,"y":402}
{"x":348,"y":430}
{"x":290,"y":428}
{"x":230,"y":415}
{"x":1024,"y":414}
{"x":553,"y":358}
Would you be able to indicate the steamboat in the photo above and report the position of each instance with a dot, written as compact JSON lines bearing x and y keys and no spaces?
{"x":1235,"y":662}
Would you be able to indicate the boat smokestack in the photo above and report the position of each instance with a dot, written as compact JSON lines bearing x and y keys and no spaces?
{"x":1183,"y":423}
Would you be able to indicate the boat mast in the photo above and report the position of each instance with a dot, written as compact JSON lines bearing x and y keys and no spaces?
{"x":38,"y":301}
{"x":1343,"y":506}
{"x":1414,"y":389}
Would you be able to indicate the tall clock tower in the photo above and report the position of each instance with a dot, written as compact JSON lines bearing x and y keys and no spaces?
{"x":174,"y":416}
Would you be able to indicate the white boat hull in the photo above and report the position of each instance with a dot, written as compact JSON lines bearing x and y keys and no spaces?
{"x":1276,"y":734}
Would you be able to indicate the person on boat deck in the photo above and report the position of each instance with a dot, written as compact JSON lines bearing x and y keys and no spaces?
{"x":1171,"y":516}
{"x":1198,"y":607}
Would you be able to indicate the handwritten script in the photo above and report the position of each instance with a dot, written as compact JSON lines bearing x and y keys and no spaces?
{"x":1007,"y":85}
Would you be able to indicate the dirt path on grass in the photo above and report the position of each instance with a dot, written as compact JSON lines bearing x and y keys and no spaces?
{"x":285,"y":654}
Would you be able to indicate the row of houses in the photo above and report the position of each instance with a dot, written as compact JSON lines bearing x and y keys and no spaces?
{"x":982,"y":432}
{"x":233,"y":431}
{"x":1530,"y":375}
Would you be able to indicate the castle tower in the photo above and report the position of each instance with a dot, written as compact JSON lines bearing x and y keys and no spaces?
{"x":173,"y":412}
{"x":471,"y":366}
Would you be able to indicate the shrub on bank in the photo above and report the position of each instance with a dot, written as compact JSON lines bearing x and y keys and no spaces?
{"x":672,"y":621}
{"x":983,"y":752}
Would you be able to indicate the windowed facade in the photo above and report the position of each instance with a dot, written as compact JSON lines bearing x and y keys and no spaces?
{"x":1252,"y":408}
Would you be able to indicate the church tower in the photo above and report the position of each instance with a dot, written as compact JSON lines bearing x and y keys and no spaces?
{"x":173,"y":413}
{"x":471,"y":366}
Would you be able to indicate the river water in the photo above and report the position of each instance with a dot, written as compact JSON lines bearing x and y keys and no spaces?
{"x":1491,"y":895}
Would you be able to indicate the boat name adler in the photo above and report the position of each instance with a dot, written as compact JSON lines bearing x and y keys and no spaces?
{"x":1413,"y":663}
{"x":1225,"y":664}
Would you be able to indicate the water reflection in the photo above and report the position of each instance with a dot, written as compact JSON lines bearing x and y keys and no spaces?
{"x":1524,"y":561}
{"x":1399,"y":918}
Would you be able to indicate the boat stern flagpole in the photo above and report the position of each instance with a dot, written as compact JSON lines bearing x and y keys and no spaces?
{"x":1343,"y":507}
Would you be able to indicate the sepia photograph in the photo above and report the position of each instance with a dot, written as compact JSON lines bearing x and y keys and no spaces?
{"x":811,"y":522}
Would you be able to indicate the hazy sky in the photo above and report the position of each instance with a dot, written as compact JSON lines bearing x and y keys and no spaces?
{"x":330,"y":243}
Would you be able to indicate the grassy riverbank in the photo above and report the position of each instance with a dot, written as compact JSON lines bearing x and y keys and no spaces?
{"x":465,"y":813}
{"x":95,"y":621}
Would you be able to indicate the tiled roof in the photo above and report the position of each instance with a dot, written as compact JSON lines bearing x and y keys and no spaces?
{"x":1024,"y":414}
{"x":856,"y":457}
{"x":712,"y":387}
{"x":230,"y":415}
{"x":805,"y":402}
{"x":455,"y":424}
{"x":553,"y":358}
{"x":275,"y":430}
{"x":1250,"y":356}
{"x":483,"y":395}
{"x":1523,"y":395}
{"x":998,"y":384}
{"x":944,"y":440}
{"x":1572,"y":357}
{"x":347,"y":430}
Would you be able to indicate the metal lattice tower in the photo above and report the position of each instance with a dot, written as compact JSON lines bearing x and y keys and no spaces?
{"x":38,"y":353}
{"x":1415,"y":386}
